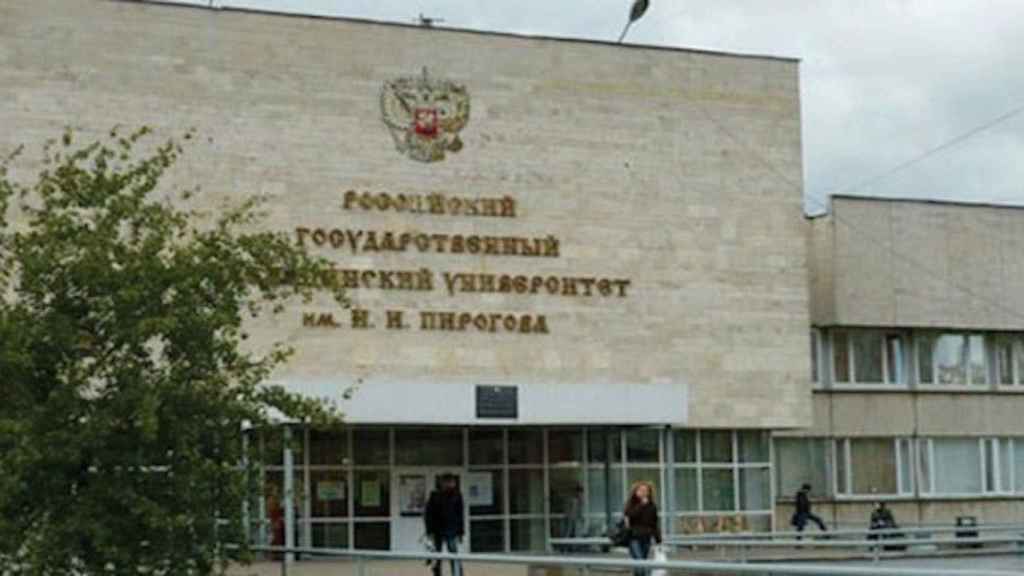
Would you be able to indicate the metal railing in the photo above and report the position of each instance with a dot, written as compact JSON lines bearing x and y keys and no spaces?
{"x":362,"y":561}
{"x":876,"y":544}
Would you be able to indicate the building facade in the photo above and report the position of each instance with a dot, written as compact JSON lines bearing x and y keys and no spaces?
{"x":573,"y":265}
{"x":917,"y":348}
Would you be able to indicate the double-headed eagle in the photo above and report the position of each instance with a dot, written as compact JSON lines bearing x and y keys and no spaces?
{"x":424,"y":115}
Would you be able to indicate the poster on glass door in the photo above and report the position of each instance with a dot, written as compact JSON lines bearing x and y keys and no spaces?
{"x":412,"y":494}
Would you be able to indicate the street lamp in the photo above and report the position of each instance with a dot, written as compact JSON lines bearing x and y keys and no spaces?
{"x":635,"y":13}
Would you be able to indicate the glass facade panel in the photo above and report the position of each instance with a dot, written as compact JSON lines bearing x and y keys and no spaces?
{"x":755,"y":489}
{"x":497,"y":505}
{"x":373,"y":493}
{"x":753,"y":447}
{"x":803,"y":460}
{"x":487,"y":536}
{"x":332,"y":535}
{"x":685,"y":496}
{"x":372,"y":447}
{"x":526,"y":491}
{"x":527,"y":534}
{"x":718,"y":489}
{"x":642,"y":445}
{"x":598,"y":441}
{"x":486,"y":447}
{"x":328,"y":448}
{"x":566,"y":490}
{"x":428,"y":447}
{"x":685,"y":446}
{"x":565,"y":446}
{"x":873,"y":463}
{"x":329,"y":493}
{"x":349,"y":491}
{"x":525,"y":446}
{"x":867,"y":356}
{"x":716,"y":447}
{"x":957,"y":466}
{"x":373,"y":535}
{"x":597,"y":495}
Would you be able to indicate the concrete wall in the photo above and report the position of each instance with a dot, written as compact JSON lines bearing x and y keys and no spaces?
{"x":849,"y":414}
{"x":627,"y":155}
{"x":918,"y":264}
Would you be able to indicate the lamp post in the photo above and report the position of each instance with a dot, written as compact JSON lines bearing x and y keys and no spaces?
{"x":635,"y":13}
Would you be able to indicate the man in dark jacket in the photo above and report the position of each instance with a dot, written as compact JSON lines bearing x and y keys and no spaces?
{"x":803,"y":510}
{"x":444,"y":517}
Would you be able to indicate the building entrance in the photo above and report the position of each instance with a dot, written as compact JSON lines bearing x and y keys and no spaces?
{"x":410,"y":490}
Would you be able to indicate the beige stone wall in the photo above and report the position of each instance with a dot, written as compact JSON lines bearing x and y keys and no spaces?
{"x":905,"y":414}
{"x":919,"y":264}
{"x":645,"y":164}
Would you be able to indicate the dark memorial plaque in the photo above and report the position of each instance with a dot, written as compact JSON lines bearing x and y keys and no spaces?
{"x":497,"y":402}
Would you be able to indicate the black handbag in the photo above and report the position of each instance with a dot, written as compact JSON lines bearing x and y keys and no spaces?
{"x":619,"y":535}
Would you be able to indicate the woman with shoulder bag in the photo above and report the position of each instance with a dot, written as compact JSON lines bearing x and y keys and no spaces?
{"x":641,"y":516}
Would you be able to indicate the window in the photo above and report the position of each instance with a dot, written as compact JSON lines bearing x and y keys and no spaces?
{"x":952,"y":466}
{"x":800,"y":461}
{"x":952,"y":359}
{"x":721,"y":480}
{"x":815,"y":352}
{"x":873,"y":466}
{"x":1009,"y":357}
{"x":867,"y":357}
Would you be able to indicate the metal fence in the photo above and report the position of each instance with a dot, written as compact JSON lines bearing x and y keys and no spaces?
{"x":362,"y":563}
{"x":876,"y":544}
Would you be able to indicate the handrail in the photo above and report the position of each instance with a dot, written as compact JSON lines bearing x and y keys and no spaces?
{"x":861,"y":532}
{"x":790,"y":536}
{"x":703,"y":568}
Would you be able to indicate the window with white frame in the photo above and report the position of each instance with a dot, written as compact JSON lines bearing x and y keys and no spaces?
{"x":800,"y":461}
{"x":952,"y":466}
{"x":867,"y":357}
{"x":1009,"y":359}
{"x":721,"y":481}
{"x":874,"y":466}
{"x":952,"y":359}
{"x":971,"y":466}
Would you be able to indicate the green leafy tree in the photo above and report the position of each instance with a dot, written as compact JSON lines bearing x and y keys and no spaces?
{"x":125,"y":378}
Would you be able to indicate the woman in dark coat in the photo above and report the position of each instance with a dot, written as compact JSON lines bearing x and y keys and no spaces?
{"x":641,"y":514}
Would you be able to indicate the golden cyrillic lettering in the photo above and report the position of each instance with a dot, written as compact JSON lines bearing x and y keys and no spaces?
{"x":394,"y":318}
{"x":360,"y":319}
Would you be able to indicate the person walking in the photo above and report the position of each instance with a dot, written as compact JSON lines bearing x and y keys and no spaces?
{"x":574,"y":521}
{"x":803,"y":511}
{"x":444,"y":517}
{"x":641,"y":516}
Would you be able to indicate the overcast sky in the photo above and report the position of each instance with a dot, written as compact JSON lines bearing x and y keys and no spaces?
{"x":883,"y":81}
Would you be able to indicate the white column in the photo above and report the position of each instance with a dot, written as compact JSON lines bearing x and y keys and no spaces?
{"x":289,"y":495}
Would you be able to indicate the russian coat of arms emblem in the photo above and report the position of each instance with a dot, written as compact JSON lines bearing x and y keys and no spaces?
{"x":425,"y":115}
